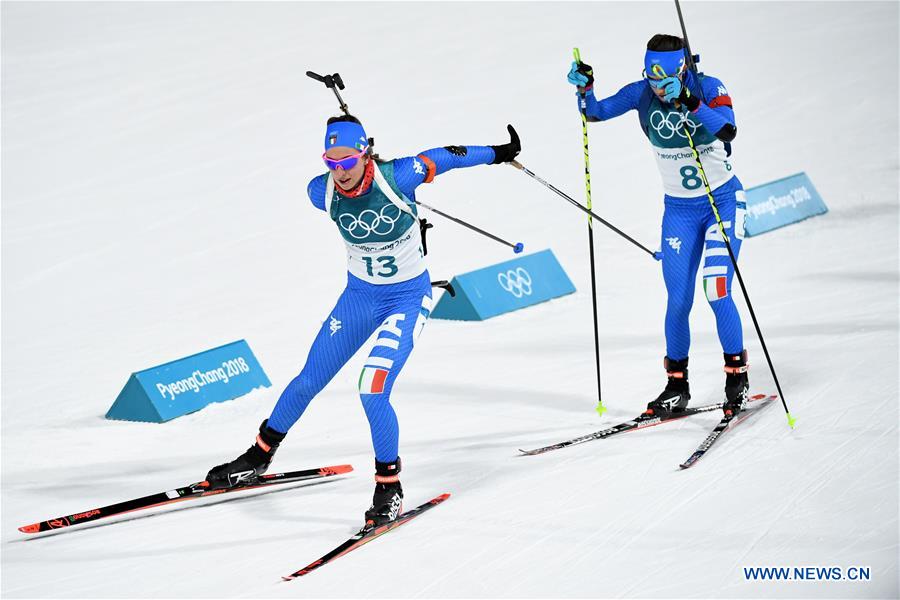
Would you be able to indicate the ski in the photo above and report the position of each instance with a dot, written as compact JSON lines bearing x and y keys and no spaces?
{"x":189,"y":492}
{"x":640,"y":422}
{"x":759,"y":402}
{"x":366,"y":535}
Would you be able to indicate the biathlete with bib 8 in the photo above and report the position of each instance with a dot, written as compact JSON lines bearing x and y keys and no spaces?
{"x":668,"y":99}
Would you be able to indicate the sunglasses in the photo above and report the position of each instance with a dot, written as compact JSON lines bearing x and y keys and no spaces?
{"x":346,"y":163}
{"x":658,"y":78}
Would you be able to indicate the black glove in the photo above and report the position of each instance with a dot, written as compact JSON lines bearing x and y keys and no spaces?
{"x":507,"y":152}
{"x":582,"y":75}
{"x":249,"y":465}
{"x":687,"y":99}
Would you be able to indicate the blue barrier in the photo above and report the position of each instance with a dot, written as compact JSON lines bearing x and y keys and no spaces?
{"x":781,"y":202}
{"x":176,"y":388}
{"x":504,"y":287}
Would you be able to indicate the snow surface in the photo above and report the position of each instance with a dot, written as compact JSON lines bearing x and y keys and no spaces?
{"x":154,"y":166}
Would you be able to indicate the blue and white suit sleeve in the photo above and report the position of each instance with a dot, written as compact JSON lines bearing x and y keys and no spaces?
{"x":717,"y":111}
{"x":413,"y":171}
{"x":316,"y":191}
{"x":614,"y":106}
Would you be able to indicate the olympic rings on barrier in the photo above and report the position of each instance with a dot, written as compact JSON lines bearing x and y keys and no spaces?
{"x":517,"y":282}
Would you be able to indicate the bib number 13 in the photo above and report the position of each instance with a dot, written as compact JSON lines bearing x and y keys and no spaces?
{"x":385,"y":267}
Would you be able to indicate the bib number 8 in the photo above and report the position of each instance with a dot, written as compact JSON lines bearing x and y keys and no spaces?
{"x":386,"y":267}
{"x":690,"y":178}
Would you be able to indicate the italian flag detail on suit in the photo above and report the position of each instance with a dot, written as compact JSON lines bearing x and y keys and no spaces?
{"x":715,"y":287}
{"x":371,"y":380}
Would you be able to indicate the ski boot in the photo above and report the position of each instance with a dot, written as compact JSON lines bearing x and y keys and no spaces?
{"x":675,"y":397}
{"x":387,"y":502}
{"x":247,"y":467}
{"x":737,"y":385}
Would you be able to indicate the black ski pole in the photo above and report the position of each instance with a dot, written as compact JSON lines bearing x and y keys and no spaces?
{"x":715,"y":209}
{"x":587,"y":188}
{"x":517,"y":247}
{"x":575,"y":203}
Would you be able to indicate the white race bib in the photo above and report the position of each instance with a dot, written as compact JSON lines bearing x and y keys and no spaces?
{"x":680,"y":175}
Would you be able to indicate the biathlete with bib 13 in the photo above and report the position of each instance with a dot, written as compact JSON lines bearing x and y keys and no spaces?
{"x":388,"y":294}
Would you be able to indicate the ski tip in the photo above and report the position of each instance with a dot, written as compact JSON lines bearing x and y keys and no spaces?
{"x":33,"y":528}
{"x":335,"y":470}
{"x":287,"y":577}
{"x":441,"y":498}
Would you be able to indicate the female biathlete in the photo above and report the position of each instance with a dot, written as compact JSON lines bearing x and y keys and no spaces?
{"x":668,"y":100}
{"x":388,"y":295}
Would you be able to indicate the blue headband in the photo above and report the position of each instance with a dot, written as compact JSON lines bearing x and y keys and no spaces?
{"x":346,"y":133}
{"x":659,"y":65}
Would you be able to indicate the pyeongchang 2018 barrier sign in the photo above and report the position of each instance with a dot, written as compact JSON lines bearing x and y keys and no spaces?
{"x":781,"y":202}
{"x":504,"y":287}
{"x":176,"y":388}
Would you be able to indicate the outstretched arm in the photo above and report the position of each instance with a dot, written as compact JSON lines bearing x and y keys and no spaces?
{"x":613,"y":106}
{"x":412,"y":171}
{"x":627,"y":98}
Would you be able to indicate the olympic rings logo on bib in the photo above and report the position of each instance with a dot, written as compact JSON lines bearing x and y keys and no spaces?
{"x":663,"y":125}
{"x":517,"y":283}
{"x":369,"y":222}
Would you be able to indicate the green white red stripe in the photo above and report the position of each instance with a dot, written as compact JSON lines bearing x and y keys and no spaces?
{"x":716,"y":288}
{"x":371,"y":380}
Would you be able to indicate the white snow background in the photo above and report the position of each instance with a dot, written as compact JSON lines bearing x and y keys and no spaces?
{"x":155,"y":158}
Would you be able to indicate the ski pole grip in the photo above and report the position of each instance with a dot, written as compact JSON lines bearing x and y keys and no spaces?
{"x":315,"y":76}
{"x":577,"y":54}
{"x":338,"y":80}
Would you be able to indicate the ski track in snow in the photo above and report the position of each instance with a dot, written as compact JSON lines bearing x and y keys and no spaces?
{"x":155,"y":160}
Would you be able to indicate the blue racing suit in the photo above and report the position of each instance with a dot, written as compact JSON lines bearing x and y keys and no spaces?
{"x":689,"y":227}
{"x":388,"y":291}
